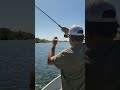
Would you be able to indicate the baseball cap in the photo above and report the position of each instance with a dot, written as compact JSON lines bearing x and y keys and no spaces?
{"x":101,"y":19}
{"x":76,"y":30}
{"x":101,"y":12}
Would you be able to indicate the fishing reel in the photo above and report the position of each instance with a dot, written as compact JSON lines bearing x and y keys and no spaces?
{"x":65,"y":36}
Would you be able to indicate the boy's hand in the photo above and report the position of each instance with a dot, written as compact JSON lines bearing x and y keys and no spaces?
{"x":65,"y":30}
{"x":55,"y":40}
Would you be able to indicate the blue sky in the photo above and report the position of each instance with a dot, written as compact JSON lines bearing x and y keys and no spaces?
{"x":65,"y":12}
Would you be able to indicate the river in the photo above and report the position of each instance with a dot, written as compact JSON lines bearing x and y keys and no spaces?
{"x":43,"y":72}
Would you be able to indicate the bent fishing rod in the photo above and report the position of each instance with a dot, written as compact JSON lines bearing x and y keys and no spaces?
{"x":48,"y":16}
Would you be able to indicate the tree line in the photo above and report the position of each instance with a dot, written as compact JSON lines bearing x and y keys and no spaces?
{"x":7,"y":34}
{"x":37,"y":40}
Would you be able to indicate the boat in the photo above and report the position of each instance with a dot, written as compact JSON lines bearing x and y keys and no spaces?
{"x":55,"y":84}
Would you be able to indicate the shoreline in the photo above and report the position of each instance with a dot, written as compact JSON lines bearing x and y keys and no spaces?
{"x":51,"y":42}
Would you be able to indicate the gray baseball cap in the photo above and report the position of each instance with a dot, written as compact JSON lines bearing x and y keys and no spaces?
{"x":96,"y":12}
{"x":76,"y":30}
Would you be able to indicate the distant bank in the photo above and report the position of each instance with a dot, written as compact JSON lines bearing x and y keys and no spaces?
{"x":37,"y":40}
{"x":7,"y":34}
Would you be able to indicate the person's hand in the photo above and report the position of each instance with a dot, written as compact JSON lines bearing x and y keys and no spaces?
{"x":65,"y":30}
{"x":55,"y":40}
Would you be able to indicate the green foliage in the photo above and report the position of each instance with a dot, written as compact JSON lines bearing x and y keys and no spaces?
{"x":37,"y":40}
{"x":6,"y":34}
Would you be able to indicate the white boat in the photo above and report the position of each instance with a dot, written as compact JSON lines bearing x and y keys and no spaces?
{"x":55,"y":84}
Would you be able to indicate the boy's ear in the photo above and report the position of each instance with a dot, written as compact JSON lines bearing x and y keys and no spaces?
{"x":72,"y":40}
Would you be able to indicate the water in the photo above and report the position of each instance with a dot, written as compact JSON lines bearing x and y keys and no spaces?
{"x":16,"y":60}
{"x":44,"y":72}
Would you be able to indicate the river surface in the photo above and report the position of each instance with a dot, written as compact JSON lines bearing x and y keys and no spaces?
{"x":43,"y":72}
{"x":16,"y":60}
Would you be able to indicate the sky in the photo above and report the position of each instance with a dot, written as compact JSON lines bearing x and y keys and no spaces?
{"x":64,"y":12}
{"x":18,"y":15}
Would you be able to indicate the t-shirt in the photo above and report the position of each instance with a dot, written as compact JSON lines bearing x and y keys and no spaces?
{"x":103,"y":71}
{"x":72,"y":65}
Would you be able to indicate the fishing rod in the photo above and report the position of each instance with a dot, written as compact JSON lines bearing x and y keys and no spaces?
{"x":51,"y":19}
{"x":48,"y":16}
